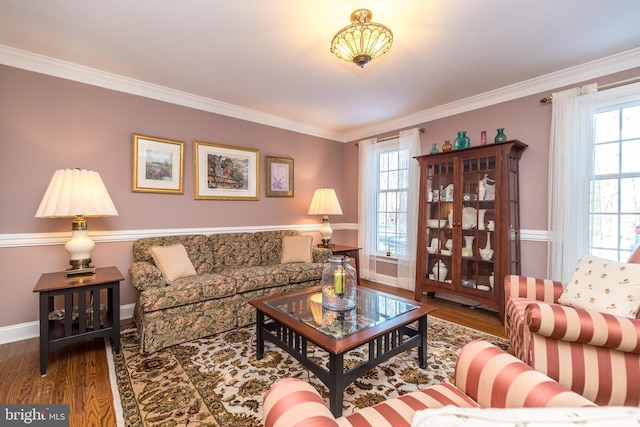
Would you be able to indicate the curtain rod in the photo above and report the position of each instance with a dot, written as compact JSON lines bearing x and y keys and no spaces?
{"x":386,"y":138}
{"x":549,"y":99}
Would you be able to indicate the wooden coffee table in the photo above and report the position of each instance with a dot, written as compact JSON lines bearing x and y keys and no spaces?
{"x":380,"y":320}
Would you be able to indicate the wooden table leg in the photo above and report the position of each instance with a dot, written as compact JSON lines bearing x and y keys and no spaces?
{"x":336,"y":383}
{"x":44,"y":332}
{"x":259,"y":339}
{"x":422,"y":349}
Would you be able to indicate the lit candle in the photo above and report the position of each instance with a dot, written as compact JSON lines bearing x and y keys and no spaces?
{"x":338,"y":281}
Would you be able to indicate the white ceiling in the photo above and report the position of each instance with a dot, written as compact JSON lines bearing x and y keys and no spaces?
{"x":269,"y":60}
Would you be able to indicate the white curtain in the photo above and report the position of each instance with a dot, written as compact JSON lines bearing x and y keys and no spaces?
{"x":367,"y":158}
{"x":570,"y":168}
{"x":367,"y":207}
{"x":410,"y":141}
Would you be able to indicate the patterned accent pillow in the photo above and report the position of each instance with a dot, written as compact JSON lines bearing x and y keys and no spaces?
{"x":173,"y":261}
{"x":605,"y":286}
{"x":296,"y":249}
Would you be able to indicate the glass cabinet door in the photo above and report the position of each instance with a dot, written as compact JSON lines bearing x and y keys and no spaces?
{"x":469,"y":230}
{"x":477,"y":220}
{"x":439,"y":214}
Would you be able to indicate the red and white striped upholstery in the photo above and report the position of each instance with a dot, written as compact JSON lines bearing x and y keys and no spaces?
{"x":484,"y":376}
{"x":595,"y":354}
{"x":519,"y":292}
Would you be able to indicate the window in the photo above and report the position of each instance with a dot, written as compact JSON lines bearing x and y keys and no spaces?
{"x":614,"y":217}
{"x":392,"y":191}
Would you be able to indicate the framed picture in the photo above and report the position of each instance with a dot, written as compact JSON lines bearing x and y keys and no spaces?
{"x":279,"y":177}
{"x":224,"y":172}
{"x":157,"y":165}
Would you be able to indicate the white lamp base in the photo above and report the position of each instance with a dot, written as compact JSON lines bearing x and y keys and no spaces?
{"x":326,"y":232}
{"x":79,"y":248}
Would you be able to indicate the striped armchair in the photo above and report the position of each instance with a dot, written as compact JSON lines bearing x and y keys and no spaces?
{"x":594,"y":354}
{"x":485,"y":376}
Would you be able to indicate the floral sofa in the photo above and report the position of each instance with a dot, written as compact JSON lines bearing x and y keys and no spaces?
{"x":229,"y":270}
{"x":485,"y":377}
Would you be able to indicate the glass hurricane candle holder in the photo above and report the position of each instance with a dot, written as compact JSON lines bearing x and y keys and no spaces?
{"x":338,"y":284}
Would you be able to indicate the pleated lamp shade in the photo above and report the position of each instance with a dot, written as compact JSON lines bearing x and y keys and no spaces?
{"x":76,"y":192}
{"x":325,"y":202}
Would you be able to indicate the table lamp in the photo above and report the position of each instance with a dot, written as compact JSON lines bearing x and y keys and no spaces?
{"x":77,"y":194}
{"x":325,"y":203}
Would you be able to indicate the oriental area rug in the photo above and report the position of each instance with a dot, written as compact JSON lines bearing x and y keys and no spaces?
{"x":217,"y":381}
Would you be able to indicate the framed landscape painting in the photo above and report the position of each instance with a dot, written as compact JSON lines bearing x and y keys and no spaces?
{"x":279,"y":177}
{"x":225,"y":172}
{"x":157,"y":165}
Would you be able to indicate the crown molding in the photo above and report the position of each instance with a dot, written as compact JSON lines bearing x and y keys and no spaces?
{"x":580,"y":73}
{"x":67,"y":70}
{"x":54,"y":67}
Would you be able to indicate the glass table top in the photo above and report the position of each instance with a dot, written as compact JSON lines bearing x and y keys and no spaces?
{"x":372,"y":308}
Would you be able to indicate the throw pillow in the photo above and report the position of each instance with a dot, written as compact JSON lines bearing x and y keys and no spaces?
{"x":604,"y":286}
{"x":450,"y":416}
{"x":296,"y":249}
{"x":173,"y":261}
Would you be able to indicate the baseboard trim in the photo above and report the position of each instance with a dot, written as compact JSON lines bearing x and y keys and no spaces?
{"x":24,"y":331}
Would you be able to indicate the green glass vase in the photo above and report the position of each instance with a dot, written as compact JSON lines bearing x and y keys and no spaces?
{"x":434,"y":149}
{"x":462,"y":141}
{"x":500,"y":137}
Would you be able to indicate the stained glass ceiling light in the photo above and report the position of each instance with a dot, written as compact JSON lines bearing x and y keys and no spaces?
{"x":363,"y":40}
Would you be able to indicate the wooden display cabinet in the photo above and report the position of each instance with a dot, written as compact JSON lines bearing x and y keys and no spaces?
{"x":468,"y":222}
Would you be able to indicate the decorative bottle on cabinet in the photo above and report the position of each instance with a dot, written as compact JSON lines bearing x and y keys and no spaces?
{"x":500,"y":136}
{"x":462,"y":141}
{"x":475,"y":225}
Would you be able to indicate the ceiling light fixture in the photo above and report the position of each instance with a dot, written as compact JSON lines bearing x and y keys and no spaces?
{"x":363,"y":40}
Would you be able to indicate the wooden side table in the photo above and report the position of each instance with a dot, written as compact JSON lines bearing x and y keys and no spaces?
{"x":351,"y":252}
{"x":81,"y":324}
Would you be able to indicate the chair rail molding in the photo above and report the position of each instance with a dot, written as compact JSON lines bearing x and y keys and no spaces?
{"x":60,"y":238}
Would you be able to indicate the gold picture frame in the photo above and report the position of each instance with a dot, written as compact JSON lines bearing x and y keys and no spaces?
{"x":279,"y":180}
{"x":225,"y":172}
{"x":158,"y":165}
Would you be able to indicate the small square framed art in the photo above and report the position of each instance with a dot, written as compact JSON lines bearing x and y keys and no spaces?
{"x":157,"y":165}
{"x":279,"y":177}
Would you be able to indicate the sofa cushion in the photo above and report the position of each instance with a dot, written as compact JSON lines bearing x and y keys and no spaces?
{"x":234,"y":250}
{"x":604,"y":286}
{"x":196,"y":245}
{"x":258,"y":277}
{"x":451,"y":416}
{"x":303,"y":271}
{"x":270,"y":245}
{"x":173,"y":261}
{"x":296,"y":249}
{"x":186,"y":291}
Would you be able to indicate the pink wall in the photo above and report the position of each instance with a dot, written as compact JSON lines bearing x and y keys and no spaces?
{"x":47,"y":123}
{"x":525,"y":119}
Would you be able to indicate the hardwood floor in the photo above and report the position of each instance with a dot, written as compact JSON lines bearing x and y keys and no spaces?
{"x":78,"y":374}
{"x":476,"y":318}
